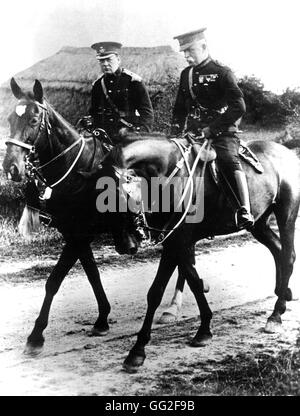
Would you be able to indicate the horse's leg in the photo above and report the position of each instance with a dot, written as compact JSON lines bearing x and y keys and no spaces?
{"x":172,"y":313}
{"x":203,"y":335}
{"x":167,"y":265}
{"x":88,"y":262}
{"x":67,"y":259}
{"x":286,"y":215}
{"x":265,"y":235}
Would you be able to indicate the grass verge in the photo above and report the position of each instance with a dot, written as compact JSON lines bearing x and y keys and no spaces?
{"x":258,"y":374}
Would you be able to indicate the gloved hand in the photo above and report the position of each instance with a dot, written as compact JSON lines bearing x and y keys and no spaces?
{"x":86,"y":122}
{"x":206,"y":132}
{"x":175,"y":130}
{"x":136,"y":128}
{"x":141,"y":128}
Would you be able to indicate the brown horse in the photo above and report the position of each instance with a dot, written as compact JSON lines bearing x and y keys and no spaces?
{"x":44,"y":144}
{"x":275,"y":191}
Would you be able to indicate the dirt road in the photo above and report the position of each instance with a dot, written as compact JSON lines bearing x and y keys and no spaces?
{"x":241,"y":280}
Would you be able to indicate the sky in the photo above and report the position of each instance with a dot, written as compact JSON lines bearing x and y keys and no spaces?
{"x":253,"y":37}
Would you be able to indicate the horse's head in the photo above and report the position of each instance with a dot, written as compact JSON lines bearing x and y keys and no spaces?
{"x":126,"y":237}
{"x":26,"y":123}
{"x":114,"y":197}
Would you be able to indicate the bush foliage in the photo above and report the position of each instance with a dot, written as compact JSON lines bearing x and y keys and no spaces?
{"x":267,"y":109}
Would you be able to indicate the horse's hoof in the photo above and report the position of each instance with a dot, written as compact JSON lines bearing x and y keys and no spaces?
{"x":166,"y":318}
{"x":133,"y":362}
{"x":170,"y":314}
{"x":201,"y":340}
{"x":273,"y":327}
{"x":32,"y":350}
{"x":99,"y":332}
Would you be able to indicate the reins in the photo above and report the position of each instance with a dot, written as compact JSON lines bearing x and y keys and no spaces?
{"x":81,"y":139}
{"x":189,"y":182}
{"x":188,"y":187}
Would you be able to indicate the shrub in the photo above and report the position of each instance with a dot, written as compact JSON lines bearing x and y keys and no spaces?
{"x":163,"y":102}
{"x":265,"y":108}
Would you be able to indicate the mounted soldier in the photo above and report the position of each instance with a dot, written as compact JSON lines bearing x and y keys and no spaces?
{"x":119,"y":97}
{"x":209,"y":102}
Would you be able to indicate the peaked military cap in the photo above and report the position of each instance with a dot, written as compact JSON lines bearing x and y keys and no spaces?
{"x":187,"y":39}
{"x":105,"y":49}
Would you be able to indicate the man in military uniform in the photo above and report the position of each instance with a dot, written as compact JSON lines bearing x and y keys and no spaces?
{"x":209,"y":102}
{"x":119,"y":97}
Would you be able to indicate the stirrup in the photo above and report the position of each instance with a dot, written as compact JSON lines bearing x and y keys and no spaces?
{"x":243,"y":219}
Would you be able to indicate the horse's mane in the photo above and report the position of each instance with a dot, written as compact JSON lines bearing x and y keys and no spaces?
{"x":129,"y":137}
{"x":60,"y":118}
{"x":114,"y":156}
{"x":126,"y":136}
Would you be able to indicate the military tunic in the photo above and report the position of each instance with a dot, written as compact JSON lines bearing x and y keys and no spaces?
{"x":209,"y":96}
{"x":130,"y":100}
{"x":218,"y":101}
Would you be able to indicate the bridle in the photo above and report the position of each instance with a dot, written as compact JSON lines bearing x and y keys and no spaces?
{"x":31,"y":169}
{"x":44,"y":123}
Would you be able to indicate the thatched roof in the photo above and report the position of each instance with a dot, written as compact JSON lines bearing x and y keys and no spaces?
{"x":68,"y":75}
{"x":77,"y":68}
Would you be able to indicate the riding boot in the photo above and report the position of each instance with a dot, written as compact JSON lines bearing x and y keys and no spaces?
{"x":243,"y":216}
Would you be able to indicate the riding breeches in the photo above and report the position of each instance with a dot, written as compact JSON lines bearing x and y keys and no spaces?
{"x":227,"y":148}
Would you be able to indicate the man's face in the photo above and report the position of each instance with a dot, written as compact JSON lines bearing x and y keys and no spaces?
{"x":195,"y":54}
{"x":110,"y":64}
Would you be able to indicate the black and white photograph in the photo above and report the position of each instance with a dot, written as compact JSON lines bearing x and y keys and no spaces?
{"x":149,"y":201}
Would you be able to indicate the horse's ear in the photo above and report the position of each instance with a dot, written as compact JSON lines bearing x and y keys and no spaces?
{"x":16,"y":90}
{"x":38,"y":91}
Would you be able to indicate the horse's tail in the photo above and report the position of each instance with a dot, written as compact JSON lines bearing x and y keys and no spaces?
{"x":30,"y":219}
{"x":29,"y":223}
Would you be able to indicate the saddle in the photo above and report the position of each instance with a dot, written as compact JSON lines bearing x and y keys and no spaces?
{"x":210,"y":155}
{"x":248,"y":156}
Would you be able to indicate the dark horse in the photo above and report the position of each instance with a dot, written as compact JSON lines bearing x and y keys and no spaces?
{"x":276,"y":191}
{"x":39,"y":135}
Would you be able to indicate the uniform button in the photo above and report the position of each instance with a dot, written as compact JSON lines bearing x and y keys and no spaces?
{"x":111,"y":119}
{"x":111,"y":81}
{"x":109,"y":90}
{"x":195,"y":85}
